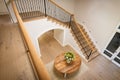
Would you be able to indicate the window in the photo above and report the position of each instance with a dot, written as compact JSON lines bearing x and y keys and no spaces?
{"x":114,"y":43}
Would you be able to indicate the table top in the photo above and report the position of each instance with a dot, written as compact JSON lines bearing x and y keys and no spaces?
{"x":62,"y":66}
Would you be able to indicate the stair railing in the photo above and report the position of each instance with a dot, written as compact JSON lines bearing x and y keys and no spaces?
{"x":89,"y":44}
{"x":71,"y":18}
{"x":57,"y":12}
{"x":38,"y":64}
{"x":31,"y":8}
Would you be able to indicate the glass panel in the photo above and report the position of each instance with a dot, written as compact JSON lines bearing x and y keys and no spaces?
{"x":115,"y":43}
{"x":107,"y":53}
{"x":118,"y":55}
{"x":119,"y":27}
{"x":117,"y":60}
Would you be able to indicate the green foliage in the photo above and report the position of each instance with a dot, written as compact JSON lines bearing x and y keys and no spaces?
{"x":69,"y":56}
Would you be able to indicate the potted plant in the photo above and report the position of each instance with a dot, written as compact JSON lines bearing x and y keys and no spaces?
{"x":69,"y":57}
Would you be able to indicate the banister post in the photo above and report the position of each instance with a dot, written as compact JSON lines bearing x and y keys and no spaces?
{"x":45,"y":8}
{"x":70,"y":20}
{"x":90,"y":54}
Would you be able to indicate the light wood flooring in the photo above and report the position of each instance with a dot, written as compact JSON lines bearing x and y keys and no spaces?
{"x":99,"y":68}
{"x":14,"y":62}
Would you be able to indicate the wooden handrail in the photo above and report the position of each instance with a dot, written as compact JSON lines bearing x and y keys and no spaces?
{"x":82,"y":33}
{"x":39,"y":66}
{"x":60,"y":7}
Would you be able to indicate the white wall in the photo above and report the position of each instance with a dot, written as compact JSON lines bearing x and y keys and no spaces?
{"x":100,"y":17}
{"x":37,"y":28}
{"x":59,"y":36}
{"x":66,"y":4}
{"x":63,"y":35}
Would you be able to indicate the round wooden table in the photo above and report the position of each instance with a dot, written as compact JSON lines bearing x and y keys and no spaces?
{"x":63,"y":67}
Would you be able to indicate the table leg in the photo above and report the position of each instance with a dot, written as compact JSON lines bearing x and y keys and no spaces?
{"x":65,"y":75}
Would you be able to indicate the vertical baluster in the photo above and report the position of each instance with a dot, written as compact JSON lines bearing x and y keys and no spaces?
{"x":18,"y":7}
{"x":60,"y":14}
{"x":27,"y":7}
{"x":39,"y":6}
{"x":53,"y":10}
{"x":35,"y":7}
{"x":48,"y":7}
{"x":56,"y":10}
{"x":45,"y":7}
{"x":22,"y":8}
{"x":70,"y":20}
{"x":29,"y":1}
{"x":42,"y":7}
{"x":32,"y":8}
{"x":64,"y":16}
{"x":50,"y":11}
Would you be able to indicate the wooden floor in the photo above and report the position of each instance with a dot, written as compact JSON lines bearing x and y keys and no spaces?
{"x":14,"y":62}
{"x":99,"y":68}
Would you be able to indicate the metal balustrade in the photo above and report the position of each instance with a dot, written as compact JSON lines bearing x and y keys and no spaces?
{"x":36,"y":8}
{"x":30,"y":8}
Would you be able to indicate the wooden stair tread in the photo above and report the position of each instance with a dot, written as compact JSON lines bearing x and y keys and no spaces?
{"x":95,"y":54}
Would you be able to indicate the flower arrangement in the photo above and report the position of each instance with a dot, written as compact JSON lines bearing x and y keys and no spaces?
{"x":69,"y":57}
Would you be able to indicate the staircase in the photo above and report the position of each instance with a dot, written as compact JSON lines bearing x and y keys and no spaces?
{"x":47,"y":8}
{"x":82,"y":43}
